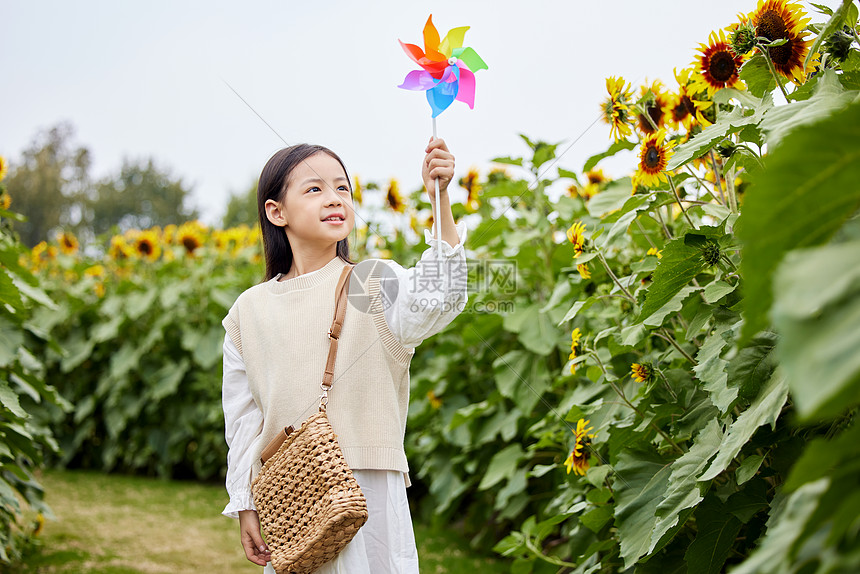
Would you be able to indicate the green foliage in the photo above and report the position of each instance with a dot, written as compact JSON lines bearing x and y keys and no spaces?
{"x":803,"y":197}
{"x":25,"y":441}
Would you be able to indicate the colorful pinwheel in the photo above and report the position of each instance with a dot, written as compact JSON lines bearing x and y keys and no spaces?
{"x":448,"y":68}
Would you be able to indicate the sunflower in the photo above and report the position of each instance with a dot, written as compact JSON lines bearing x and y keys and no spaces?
{"x":394,"y":199}
{"x":5,"y":199}
{"x":575,"y":336}
{"x":684,"y":108}
{"x":575,"y":234}
{"x":68,"y":242}
{"x":119,"y":248}
{"x":435,"y":402}
{"x":356,"y":191}
{"x":470,"y":183}
{"x":654,"y":155}
{"x":717,"y":66}
{"x":783,"y":20}
{"x":146,"y":245}
{"x":596,"y":176}
{"x":4,"y":167}
{"x":97,"y":270}
{"x":742,"y":35}
{"x":656,"y":106}
{"x":616,"y":108}
{"x":656,"y":252}
{"x":641,"y":372}
{"x":168,"y":234}
{"x":583,"y":270}
{"x":190,"y":236}
{"x":578,"y":459}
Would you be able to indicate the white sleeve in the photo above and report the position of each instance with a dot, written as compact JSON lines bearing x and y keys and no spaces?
{"x":429,"y":295}
{"x":243,"y":422}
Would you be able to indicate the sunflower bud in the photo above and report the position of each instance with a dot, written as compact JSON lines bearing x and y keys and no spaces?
{"x":641,"y":372}
{"x":838,"y":44}
{"x":726,"y":148}
{"x":743,"y":39}
{"x":711,"y":253}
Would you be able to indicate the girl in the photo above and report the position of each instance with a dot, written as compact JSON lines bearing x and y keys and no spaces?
{"x":276,"y":346}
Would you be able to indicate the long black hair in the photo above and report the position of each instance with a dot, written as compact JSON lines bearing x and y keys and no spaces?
{"x":273,"y":185}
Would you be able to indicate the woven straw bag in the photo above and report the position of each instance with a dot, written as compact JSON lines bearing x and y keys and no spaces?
{"x":308,"y":500}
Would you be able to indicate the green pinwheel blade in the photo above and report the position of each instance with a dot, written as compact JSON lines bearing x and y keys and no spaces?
{"x":471,"y":58}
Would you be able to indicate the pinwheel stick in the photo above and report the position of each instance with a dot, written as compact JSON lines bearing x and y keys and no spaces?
{"x":437,"y":225}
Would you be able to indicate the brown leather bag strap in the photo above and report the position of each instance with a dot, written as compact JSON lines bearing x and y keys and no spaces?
{"x":334,"y":333}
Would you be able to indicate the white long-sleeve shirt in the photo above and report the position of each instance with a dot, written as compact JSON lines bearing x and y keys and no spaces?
{"x":415,"y":314}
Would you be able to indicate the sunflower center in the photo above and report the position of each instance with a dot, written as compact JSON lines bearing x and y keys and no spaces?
{"x":722,"y":66}
{"x":189,"y":243}
{"x":144,"y":247}
{"x":652,"y":157}
{"x":772,"y":26}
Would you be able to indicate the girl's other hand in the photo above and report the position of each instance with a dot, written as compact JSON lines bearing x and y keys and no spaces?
{"x":255,"y":549}
{"x":438,"y":164}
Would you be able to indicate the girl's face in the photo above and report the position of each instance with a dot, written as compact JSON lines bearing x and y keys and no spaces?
{"x":317,"y":208}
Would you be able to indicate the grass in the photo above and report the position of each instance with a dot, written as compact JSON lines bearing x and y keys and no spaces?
{"x":109,"y":524}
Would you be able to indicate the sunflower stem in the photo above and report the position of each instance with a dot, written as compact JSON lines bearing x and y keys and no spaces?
{"x":678,"y":199}
{"x":620,"y":393}
{"x":668,"y":388}
{"x":644,"y":233}
{"x":663,"y":224}
{"x":702,"y":183}
{"x":730,"y":189}
{"x":615,"y":279}
{"x":671,"y":340}
{"x":718,"y":176}
{"x":770,"y":67}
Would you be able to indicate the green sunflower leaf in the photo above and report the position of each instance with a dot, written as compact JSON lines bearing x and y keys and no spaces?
{"x":816,"y":311}
{"x":613,"y":149}
{"x":717,"y":529}
{"x":809,"y":188}
{"x":728,"y":123}
{"x":835,"y":22}
{"x":757,"y":76}
{"x":785,"y":528}
{"x":822,"y":457}
{"x":508,"y":160}
{"x":684,"y":491}
{"x":828,"y":98}
{"x":643,"y":478}
{"x":682,"y":261}
{"x":764,"y":410}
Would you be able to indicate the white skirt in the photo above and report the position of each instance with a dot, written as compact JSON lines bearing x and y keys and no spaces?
{"x":386,"y":542}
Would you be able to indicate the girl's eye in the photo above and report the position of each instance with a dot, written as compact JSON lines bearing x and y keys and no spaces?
{"x":314,"y":188}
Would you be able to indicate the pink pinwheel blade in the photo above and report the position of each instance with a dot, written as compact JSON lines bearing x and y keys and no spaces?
{"x":466,"y":92}
{"x":418,"y":80}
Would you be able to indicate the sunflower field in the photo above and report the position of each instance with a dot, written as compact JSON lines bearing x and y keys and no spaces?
{"x":657,"y":372}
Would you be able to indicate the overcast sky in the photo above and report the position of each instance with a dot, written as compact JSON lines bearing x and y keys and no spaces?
{"x":139,"y":79}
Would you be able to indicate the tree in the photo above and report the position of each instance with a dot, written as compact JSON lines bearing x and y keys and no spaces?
{"x":141,"y":195}
{"x":49,"y":185}
{"x":242,"y":208}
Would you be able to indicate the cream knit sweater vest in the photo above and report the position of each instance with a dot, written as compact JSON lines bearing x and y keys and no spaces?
{"x":281,"y":330}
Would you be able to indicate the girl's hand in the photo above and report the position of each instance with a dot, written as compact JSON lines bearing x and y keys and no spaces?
{"x":255,"y":549}
{"x":438,"y":164}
